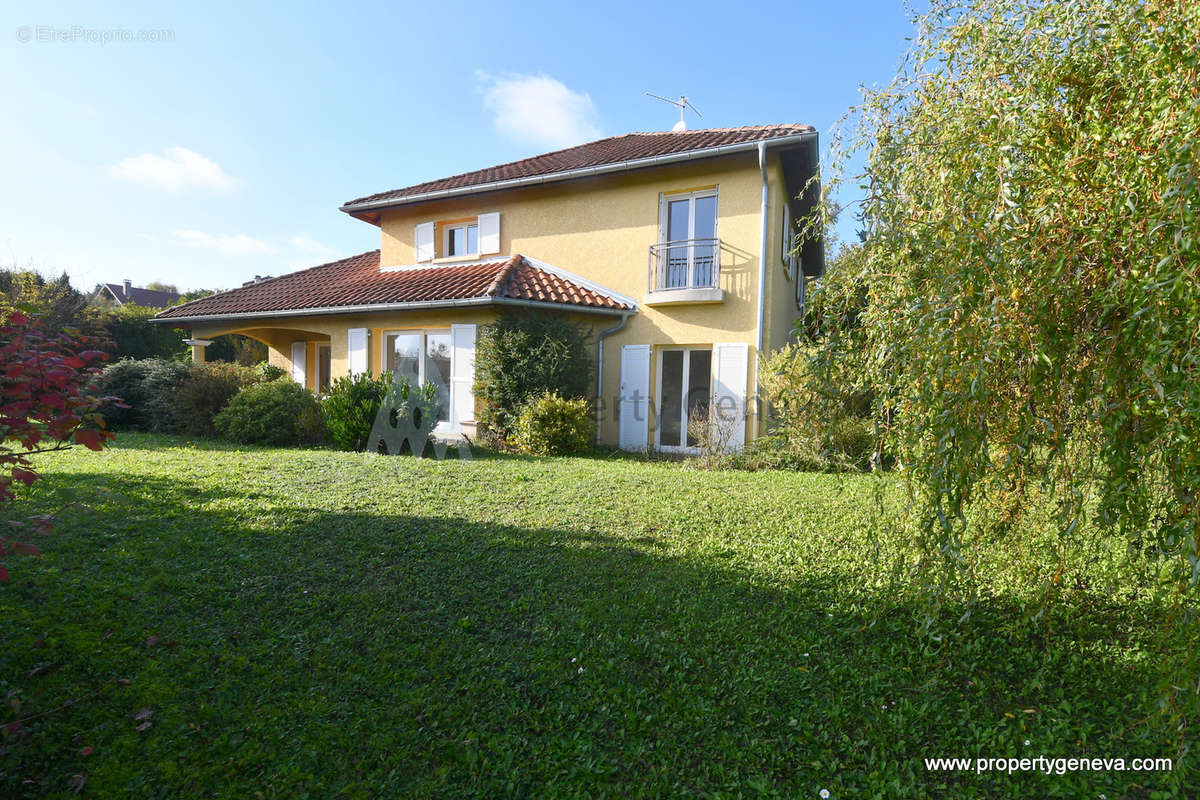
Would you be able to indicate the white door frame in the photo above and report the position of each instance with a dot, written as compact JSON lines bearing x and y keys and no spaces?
{"x":449,"y":424}
{"x":664,"y":219}
{"x":683,"y":412}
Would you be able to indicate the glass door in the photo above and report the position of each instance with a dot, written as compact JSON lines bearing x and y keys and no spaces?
{"x":689,"y":218}
{"x":421,"y":358}
{"x":684,"y":387}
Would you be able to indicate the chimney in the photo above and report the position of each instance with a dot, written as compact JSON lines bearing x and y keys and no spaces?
{"x":128,"y":288}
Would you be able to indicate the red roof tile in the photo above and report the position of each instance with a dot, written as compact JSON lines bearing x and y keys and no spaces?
{"x":357,"y":281}
{"x":614,"y":150}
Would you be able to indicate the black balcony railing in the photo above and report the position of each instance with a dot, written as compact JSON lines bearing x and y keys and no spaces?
{"x":685,"y":264}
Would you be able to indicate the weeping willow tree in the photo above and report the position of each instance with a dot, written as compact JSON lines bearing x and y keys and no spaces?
{"x":1032,"y":271}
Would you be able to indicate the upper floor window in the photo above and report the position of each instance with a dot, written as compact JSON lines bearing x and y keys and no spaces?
{"x":687,"y":256}
{"x":457,"y":238}
{"x":460,"y":240}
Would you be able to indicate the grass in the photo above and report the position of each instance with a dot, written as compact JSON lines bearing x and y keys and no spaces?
{"x":313,"y":624}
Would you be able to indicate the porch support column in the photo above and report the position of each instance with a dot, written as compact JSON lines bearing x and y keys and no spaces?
{"x":198,"y":346}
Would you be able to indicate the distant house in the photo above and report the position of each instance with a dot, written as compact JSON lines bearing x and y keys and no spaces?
{"x":120,"y":294}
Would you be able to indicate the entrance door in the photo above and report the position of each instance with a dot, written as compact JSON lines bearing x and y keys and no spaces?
{"x":684,"y":388}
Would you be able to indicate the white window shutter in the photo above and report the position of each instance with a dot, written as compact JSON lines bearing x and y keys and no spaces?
{"x":299,"y":353}
{"x":423,"y":242}
{"x":634,"y":405}
{"x":489,"y":233}
{"x":356,"y":350}
{"x":462,"y":375}
{"x":730,"y":362}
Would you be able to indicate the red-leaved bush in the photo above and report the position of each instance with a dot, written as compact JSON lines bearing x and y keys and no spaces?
{"x":45,"y":405}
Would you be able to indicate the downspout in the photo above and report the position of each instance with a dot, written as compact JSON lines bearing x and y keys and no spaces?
{"x":600,"y":367}
{"x":762,"y":271}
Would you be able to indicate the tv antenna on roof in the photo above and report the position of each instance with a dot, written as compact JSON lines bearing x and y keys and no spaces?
{"x":682,"y":104}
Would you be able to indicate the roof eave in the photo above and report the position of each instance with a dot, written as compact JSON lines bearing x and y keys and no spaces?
{"x":418,"y":306}
{"x":357,"y":209}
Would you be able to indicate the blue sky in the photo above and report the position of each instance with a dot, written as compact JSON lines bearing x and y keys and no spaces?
{"x":221,"y":147}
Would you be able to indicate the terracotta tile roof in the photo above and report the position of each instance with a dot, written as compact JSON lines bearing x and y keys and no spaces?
{"x":614,"y":150}
{"x":357,"y":281}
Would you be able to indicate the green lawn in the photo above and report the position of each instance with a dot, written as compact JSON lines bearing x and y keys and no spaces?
{"x":315,"y":624}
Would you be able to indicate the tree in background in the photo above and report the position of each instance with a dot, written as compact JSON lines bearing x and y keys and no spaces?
{"x":1033,"y":296}
{"x":58,"y":304}
{"x":135,"y":336}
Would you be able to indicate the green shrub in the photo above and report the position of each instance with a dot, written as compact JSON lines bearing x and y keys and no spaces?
{"x":208,"y":388}
{"x":816,"y":422}
{"x":266,"y":371}
{"x":351,"y":407}
{"x":550,"y":425}
{"x":279,"y":412}
{"x":412,"y":412}
{"x":779,"y":452}
{"x":852,"y":438}
{"x":522,"y":355}
{"x":148,"y":387}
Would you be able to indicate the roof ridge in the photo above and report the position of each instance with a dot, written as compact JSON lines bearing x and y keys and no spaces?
{"x":724,"y":130}
{"x":500,"y":283}
{"x":600,"y":152}
{"x":512,"y":163}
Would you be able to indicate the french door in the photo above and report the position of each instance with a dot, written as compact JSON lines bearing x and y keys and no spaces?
{"x":690,"y":224}
{"x":684,"y":389}
{"x":421,"y":357}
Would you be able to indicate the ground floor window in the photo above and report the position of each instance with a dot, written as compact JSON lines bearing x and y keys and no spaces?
{"x":684,"y":387}
{"x":421,"y":357}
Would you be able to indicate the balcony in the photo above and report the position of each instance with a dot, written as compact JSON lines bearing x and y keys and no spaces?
{"x":685,"y":271}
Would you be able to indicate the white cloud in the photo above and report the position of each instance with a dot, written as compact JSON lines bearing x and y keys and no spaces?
{"x":176,"y":169}
{"x":238,"y":244}
{"x":537,"y":109}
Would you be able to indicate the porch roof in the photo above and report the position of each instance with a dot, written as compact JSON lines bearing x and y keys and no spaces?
{"x":358,"y":284}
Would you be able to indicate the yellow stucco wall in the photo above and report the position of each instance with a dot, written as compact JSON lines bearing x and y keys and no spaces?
{"x":601,"y":229}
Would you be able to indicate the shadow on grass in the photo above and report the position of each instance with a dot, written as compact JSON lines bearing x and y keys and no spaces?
{"x":290,"y":651}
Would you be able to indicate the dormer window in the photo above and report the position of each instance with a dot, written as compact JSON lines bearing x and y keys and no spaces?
{"x":460,"y":240}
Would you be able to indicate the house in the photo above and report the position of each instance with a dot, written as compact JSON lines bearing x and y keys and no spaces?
{"x":126,"y":292}
{"x":672,"y":247}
